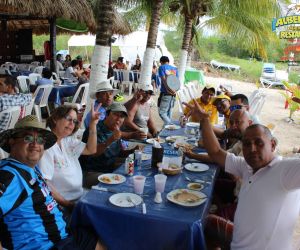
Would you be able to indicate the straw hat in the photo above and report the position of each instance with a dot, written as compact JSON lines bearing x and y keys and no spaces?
{"x":102,"y":87}
{"x":209,"y":86}
{"x":29,"y":122}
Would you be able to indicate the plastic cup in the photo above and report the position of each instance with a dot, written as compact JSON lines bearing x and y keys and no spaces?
{"x":144,"y":130}
{"x":160,"y":182}
{"x":139,"y":183}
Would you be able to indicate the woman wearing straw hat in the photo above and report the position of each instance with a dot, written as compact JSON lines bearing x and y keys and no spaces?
{"x":60,"y":165}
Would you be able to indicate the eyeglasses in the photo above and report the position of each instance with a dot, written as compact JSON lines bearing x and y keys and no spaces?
{"x":235,"y":107}
{"x":70,"y":119}
{"x":31,"y":139}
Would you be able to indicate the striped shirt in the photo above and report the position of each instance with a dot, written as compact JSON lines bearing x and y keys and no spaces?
{"x":7,"y":101}
{"x":29,"y":216}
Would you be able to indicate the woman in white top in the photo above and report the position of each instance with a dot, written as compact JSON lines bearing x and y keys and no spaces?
{"x":60,"y":165}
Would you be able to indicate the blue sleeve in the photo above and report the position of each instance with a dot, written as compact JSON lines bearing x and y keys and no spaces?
{"x":12,"y":192}
{"x":161,"y":71}
{"x":87,"y":120}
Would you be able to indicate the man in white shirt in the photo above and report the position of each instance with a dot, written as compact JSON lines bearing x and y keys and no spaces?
{"x":73,"y":72}
{"x":269,"y":199}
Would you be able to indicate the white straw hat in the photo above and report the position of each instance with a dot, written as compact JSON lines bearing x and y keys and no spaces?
{"x":102,"y":87}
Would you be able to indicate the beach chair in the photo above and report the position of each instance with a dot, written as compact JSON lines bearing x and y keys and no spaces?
{"x":219,"y":65}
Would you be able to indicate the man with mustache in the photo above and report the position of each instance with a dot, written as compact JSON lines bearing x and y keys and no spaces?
{"x":269,"y":199}
{"x":109,"y":145}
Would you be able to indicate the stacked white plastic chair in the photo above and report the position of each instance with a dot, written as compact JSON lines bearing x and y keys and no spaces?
{"x":80,"y":101}
{"x":182,"y":96}
{"x":126,"y":82}
{"x":33,"y":77}
{"x":257,"y":102}
{"x":23,"y":82}
{"x":43,"y":101}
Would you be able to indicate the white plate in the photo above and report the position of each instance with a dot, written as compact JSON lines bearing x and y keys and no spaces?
{"x":193,"y":124}
{"x":172,"y":127}
{"x":111,"y":178}
{"x":151,"y":140}
{"x":196,"y":167}
{"x":121,"y":199}
{"x":146,"y":157}
{"x":173,"y":138}
{"x":195,"y":186}
{"x":186,"y":197}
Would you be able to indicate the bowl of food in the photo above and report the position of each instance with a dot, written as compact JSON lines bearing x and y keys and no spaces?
{"x":172,"y":169}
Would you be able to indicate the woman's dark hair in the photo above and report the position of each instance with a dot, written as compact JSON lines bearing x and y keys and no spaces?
{"x":74,"y":63}
{"x":244,"y":99}
{"x":60,"y":113}
{"x":9,"y":80}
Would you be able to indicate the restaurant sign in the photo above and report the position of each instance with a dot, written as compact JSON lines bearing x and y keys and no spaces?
{"x":288,"y":27}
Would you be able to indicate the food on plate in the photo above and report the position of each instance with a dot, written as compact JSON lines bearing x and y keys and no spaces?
{"x":172,"y":127}
{"x":117,"y":177}
{"x":185,"y":196}
{"x":185,"y":146}
{"x":195,"y":186}
{"x":105,"y":179}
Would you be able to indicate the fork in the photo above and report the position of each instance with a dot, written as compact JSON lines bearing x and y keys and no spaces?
{"x":197,"y":180}
{"x":130,"y":200}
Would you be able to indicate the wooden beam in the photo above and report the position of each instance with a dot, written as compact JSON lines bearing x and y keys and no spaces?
{"x":52,"y":22}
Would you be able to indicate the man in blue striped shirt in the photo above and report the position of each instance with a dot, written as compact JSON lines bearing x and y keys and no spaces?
{"x":29,"y":216}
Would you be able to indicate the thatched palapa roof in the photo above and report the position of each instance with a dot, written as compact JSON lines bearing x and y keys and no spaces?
{"x":34,"y":14}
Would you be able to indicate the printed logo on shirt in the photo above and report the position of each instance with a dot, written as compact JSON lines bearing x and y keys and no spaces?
{"x":52,"y":204}
{"x":45,"y":190}
{"x":170,"y":72}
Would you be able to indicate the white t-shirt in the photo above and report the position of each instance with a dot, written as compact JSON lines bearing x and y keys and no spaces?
{"x":61,"y":167}
{"x":69,"y":73}
{"x":268,"y":206}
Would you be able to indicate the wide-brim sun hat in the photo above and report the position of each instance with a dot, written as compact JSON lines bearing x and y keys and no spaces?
{"x":220,"y":97}
{"x":102,"y":87}
{"x":28,"y":123}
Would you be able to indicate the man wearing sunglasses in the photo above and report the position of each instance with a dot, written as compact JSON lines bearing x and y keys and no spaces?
{"x":29,"y":216}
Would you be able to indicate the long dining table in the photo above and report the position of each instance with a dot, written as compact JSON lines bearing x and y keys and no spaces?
{"x":165,"y":225}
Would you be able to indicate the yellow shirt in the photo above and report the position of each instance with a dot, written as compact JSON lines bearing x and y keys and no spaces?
{"x":209,"y":108}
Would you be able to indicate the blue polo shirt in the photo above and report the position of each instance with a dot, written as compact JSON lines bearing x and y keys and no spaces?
{"x":29,"y":216}
{"x":105,"y":162}
{"x":165,"y":70}
{"x":102,"y":112}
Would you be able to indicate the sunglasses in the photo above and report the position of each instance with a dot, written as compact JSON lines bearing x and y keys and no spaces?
{"x":31,"y":139}
{"x":70,"y":119}
{"x":235,"y":107}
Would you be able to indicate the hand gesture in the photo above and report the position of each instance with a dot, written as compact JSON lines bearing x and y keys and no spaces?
{"x":139,"y":147}
{"x":196,"y":110}
{"x":139,"y":135}
{"x":187,"y":152}
{"x":95,"y":114}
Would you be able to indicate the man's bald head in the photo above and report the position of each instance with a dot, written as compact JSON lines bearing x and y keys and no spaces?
{"x":239,"y":120}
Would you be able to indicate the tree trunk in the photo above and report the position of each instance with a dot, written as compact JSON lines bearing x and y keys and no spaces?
{"x":53,"y":45}
{"x":100,"y":57}
{"x":147,"y":64}
{"x":185,"y":48}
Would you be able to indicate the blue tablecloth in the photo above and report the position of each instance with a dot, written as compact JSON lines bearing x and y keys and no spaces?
{"x":61,"y":91}
{"x":165,"y":226}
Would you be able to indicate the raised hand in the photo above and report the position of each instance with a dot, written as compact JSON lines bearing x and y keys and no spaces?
{"x":196,"y":110}
{"x":95,"y":114}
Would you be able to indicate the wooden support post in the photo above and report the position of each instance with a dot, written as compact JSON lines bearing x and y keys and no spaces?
{"x":52,"y":22}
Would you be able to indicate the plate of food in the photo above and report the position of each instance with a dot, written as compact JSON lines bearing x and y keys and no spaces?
{"x":172,"y":127}
{"x":183,"y":145}
{"x":186,"y":197}
{"x":195,"y":186}
{"x":111,"y":178}
{"x":159,"y":140}
{"x":196,"y":167}
{"x":193,"y":124}
{"x":125,"y":200}
{"x":173,"y":138}
{"x":146,"y":157}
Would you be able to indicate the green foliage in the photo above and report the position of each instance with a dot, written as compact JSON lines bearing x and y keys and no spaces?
{"x":173,"y":40}
{"x":295,"y":91}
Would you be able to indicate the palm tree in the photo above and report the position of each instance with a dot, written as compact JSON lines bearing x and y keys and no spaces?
{"x":238,"y":19}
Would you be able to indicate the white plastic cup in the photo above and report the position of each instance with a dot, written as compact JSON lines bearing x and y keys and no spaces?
{"x":144,"y":130}
{"x":160,"y":182}
{"x":139,"y":183}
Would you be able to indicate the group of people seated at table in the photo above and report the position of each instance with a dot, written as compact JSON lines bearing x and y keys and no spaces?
{"x":48,"y":169}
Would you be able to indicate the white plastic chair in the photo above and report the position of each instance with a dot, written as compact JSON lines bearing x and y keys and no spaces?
{"x":23,"y":82}
{"x":252,"y":96}
{"x":126,"y":81}
{"x":43,"y":101}
{"x":29,"y":107}
{"x":38,"y":70}
{"x":13,"y":113}
{"x":182,"y":96}
{"x":257,"y":104}
{"x":117,"y":78}
{"x":33,"y":77}
{"x":35,"y":63}
{"x":83,"y":90}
